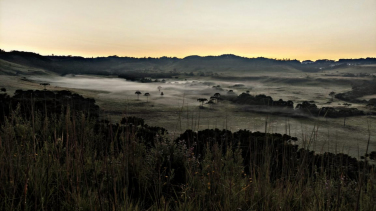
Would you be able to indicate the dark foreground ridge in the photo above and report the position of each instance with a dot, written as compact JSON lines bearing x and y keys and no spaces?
{"x":56,"y":153}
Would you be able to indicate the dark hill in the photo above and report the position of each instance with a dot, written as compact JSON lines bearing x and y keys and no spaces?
{"x":114,"y":65}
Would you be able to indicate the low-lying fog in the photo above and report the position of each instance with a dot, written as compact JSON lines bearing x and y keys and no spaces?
{"x":352,"y":138}
{"x":193,"y":89}
{"x":121,"y":88}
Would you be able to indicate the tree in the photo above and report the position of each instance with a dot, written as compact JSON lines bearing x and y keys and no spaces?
{"x":210,"y":102}
{"x":147,"y":96}
{"x":159,"y":88}
{"x":212,"y":98}
{"x":138,"y":94}
{"x":332,"y":94}
{"x":345,"y":113}
{"x":3,"y":89}
{"x":202,"y":100}
{"x":44,"y":84}
{"x":217,"y":95}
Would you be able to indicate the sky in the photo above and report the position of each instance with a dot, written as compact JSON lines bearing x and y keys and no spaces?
{"x":295,"y":29}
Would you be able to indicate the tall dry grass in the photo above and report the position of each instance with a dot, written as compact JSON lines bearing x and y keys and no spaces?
{"x":69,"y":162}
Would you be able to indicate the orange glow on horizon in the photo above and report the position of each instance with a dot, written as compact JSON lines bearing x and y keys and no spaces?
{"x":183,"y":54}
{"x":302,"y":30}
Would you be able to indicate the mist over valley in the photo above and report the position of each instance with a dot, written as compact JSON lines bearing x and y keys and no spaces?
{"x":187,"y":123}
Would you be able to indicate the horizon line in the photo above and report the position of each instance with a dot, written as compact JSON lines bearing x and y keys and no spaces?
{"x":229,"y":54}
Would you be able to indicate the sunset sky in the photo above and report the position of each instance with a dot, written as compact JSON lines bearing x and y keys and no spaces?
{"x":296,"y":29}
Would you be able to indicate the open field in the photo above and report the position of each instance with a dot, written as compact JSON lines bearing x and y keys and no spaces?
{"x":178,"y":109}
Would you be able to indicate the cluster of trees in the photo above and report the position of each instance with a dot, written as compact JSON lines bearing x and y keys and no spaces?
{"x":213,"y":99}
{"x":217,"y":87}
{"x":46,"y":103}
{"x":359,"y":89}
{"x":357,"y":75}
{"x":306,"y":107}
{"x":312,"y":109}
{"x":149,"y":134}
{"x":253,"y":145}
{"x":262,"y":100}
{"x":372,"y":102}
{"x":325,"y":64}
{"x":247,"y":98}
{"x":147,"y":94}
{"x":368,"y":60}
{"x":145,"y":77}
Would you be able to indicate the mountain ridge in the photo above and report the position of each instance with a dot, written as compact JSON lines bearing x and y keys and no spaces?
{"x":114,"y":65}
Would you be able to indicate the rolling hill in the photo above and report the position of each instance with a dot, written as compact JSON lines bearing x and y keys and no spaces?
{"x":114,"y":65}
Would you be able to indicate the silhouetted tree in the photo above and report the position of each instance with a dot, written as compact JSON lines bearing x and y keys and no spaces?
{"x":212,"y":98}
{"x":344,"y":113}
{"x":44,"y":85}
{"x":217,"y":95}
{"x":147,"y":96}
{"x":3,"y":89}
{"x":332,"y":94}
{"x":138,"y":94}
{"x":202,"y":100}
{"x":210,"y":103}
{"x":159,"y":88}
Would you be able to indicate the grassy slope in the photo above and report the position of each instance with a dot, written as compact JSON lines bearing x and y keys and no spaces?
{"x":11,"y":68}
{"x":13,"y":76}
{"x":49,"y":164}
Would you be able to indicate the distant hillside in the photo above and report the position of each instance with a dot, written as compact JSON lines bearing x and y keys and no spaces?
{"x":114,"y":65}
{"x":10,"y":68}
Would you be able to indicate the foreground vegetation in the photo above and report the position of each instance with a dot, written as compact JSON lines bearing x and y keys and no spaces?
{"x":56,"y":154}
